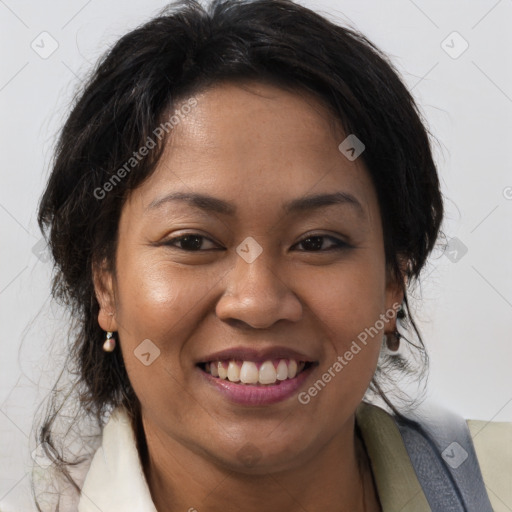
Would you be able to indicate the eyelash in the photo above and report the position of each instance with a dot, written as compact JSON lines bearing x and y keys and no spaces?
{"x":339,"y":244}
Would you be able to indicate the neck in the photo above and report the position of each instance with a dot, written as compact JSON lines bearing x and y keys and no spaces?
{"x":332,"y":480}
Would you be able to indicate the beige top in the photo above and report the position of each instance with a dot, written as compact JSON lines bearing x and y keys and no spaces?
{"x":115,"y":480}
{"x":397,"y":484}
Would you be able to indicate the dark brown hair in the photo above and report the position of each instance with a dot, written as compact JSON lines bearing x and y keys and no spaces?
{"x":140,"y":81}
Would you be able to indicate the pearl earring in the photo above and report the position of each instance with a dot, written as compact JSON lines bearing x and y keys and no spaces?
{"x":110,"y":343}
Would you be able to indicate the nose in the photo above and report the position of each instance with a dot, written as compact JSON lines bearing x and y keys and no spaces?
{"x":257,"y":295}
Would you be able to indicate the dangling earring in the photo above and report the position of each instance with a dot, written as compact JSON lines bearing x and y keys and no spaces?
{"x":392,"y":340}
{"x":110,"y":343}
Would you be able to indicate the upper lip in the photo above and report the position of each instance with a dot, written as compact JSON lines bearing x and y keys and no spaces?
{"x":257,"y":355}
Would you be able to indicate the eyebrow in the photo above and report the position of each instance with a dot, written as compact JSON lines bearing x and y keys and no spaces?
{"x":302,"y":204}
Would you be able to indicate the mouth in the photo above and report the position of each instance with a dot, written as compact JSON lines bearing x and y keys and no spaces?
{"x":271,"y":372}
{"x":256,"y":378}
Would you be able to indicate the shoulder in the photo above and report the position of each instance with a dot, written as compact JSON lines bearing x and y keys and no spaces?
{"x":117,"y":462}
{"x":493,"y":445}
{"x":490,"y":443}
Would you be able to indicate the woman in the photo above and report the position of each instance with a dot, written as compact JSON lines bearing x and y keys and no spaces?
{"x":240,"y":198}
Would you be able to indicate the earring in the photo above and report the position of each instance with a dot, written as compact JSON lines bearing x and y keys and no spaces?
{"x":110,"y":343}
{"x":392,"y":340}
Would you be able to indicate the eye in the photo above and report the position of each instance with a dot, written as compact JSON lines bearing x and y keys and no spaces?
{"x":191,"y":242}
{"x":315,"y":243}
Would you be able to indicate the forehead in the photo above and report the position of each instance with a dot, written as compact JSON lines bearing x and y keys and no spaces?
{"x":256,"y":140}
{"x":249,"y":115}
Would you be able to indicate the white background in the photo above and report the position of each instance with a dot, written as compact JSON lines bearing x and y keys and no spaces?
{"x":464,"y":307}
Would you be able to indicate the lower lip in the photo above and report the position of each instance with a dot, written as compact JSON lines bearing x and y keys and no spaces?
{"x":245,"y":394}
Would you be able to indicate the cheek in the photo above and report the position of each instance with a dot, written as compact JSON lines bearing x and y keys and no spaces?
{"x":347,"y":304}
{"x":156,"y":299}
{"x":159,"y":303}
{"x":349,"y":297}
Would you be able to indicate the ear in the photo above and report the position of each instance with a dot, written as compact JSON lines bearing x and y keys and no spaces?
{"x":395,"y":286}
{"x":104,"y":290}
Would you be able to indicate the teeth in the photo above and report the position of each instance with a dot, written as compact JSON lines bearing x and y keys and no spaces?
{"x":292,"y":369}
{"x":282,"y":370}
{"x":247,"y":372}
{"x":267,"y":373}
{"x":223,"y":373}
{"x":233,"y":372}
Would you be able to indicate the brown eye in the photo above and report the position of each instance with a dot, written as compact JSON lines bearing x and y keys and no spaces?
{"x":190,"y":242}
{"x":316,"y":243}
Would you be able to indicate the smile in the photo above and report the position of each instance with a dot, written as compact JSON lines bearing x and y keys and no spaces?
{"x":251,"y":383}
{"x":267,"y":373}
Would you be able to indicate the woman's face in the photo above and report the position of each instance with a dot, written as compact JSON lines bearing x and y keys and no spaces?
{"x":268,"y":275}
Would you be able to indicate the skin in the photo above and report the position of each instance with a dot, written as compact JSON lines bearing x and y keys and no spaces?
{"x":268,"y":147}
